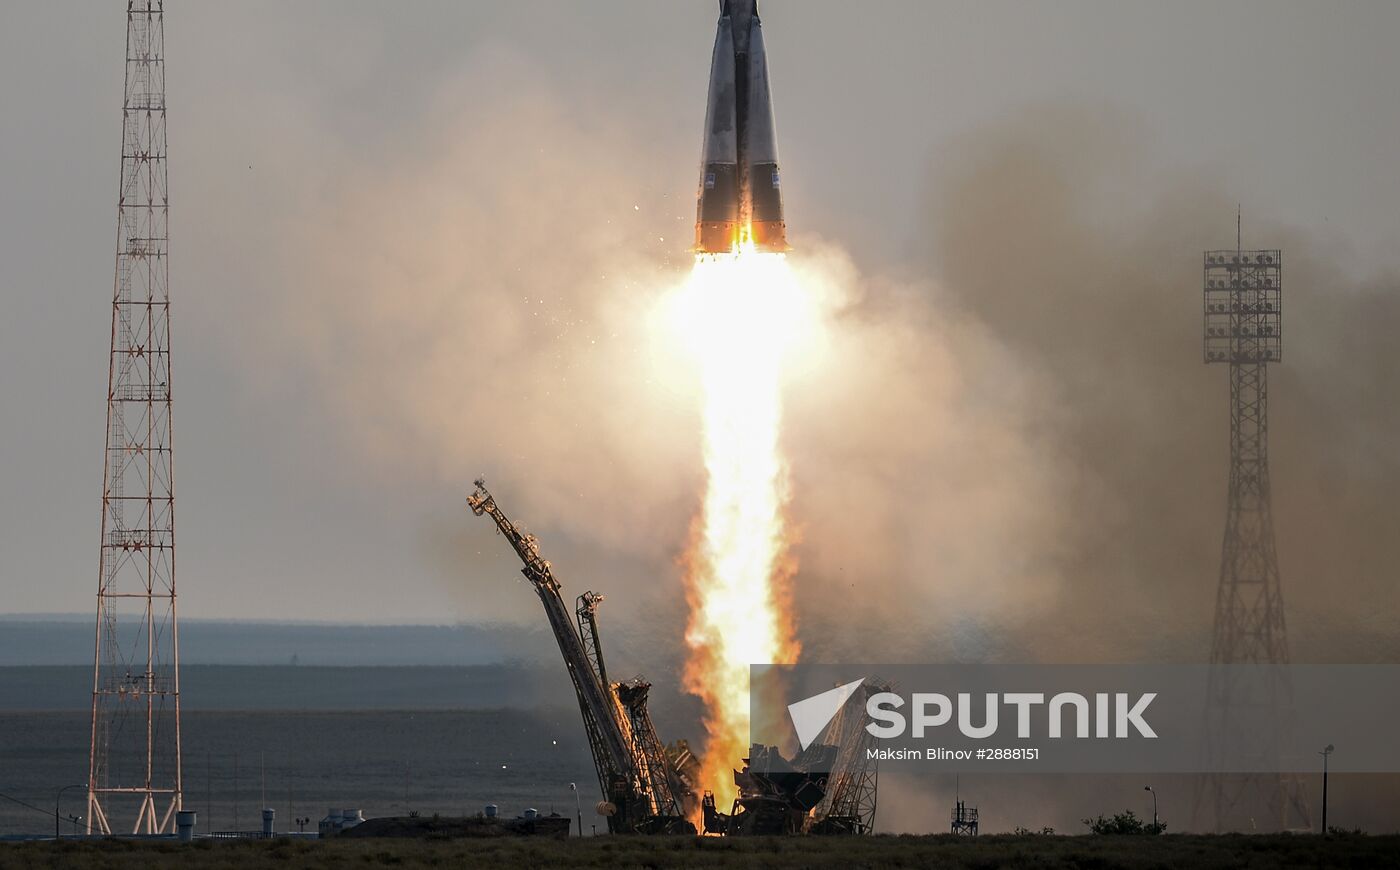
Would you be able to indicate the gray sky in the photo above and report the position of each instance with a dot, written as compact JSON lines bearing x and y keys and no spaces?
{"x":372,"y":148}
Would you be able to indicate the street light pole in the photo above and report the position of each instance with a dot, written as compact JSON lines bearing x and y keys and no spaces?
{"x":57,"y":834}
{"x":1325,"y":753}
{"x":573,"y":786}
{"x":1154,"y":806}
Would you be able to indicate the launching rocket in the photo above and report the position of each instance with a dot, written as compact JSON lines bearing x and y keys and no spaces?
{"x":739,"y":197}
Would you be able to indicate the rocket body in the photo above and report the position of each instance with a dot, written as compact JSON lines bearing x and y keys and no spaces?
{"x":739,"y":198}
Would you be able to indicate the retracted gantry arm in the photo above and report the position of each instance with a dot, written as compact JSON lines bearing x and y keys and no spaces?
{"x":613,"y":759}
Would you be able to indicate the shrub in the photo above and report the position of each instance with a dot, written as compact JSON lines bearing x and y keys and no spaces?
{"x":1125,"y":822}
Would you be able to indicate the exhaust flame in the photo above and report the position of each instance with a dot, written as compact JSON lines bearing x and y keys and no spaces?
{"x":740,"y":313}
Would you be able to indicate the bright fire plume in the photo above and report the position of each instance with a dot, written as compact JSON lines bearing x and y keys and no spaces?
{"x":741,"y":314}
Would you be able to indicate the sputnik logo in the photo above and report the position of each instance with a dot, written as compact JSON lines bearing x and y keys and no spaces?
{"x":811,"y":715}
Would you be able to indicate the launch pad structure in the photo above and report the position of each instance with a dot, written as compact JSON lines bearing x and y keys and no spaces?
{"x":828,"y":788}
{"x":650,"y":787}
{"x":1243,"y":308}
{"x":643,"y":791}
{"x":848,"y":807}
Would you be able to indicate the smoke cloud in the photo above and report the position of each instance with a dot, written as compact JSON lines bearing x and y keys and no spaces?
{"x":1057,"y":233}
{"x":1004,"y":448}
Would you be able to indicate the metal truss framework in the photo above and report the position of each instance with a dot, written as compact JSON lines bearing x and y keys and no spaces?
{"x":848,"y":806}
{"x":134,"y":762}
{"x":1243,"y":329}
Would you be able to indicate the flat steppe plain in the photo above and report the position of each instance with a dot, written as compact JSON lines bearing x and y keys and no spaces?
{"x":1169,"y":851}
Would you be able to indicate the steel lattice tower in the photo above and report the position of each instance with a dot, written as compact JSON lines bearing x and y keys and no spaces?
{"x":134,"y":766}
{"x":1243,"y":328}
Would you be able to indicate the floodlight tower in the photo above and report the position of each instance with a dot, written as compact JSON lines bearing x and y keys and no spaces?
{"x":1243,"y":329}
{"x":134,"y":761}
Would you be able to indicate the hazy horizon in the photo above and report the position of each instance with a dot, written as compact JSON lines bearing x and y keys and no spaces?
{"x":416,"y":243}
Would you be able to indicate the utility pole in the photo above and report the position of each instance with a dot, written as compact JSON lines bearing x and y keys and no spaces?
{"x":134,"y":764}
{"x":1244,"y":331}
{"x":578,"y":808}
{"x":57,"y":834}
{"x":1325,"y":753}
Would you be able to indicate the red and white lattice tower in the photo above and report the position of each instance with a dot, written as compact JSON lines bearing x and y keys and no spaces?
{"x":134,"y":776}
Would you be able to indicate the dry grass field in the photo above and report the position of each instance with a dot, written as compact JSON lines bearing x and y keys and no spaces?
{"x":982,"y":853}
